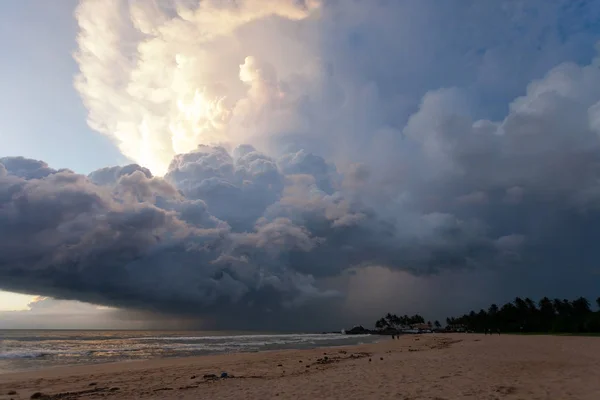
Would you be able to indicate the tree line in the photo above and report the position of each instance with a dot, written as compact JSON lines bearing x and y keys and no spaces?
{"x":392,"y":321}
{"x":524,"y":315}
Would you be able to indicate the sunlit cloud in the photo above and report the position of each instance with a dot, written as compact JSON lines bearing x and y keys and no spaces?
{"x":14,"y":301}
{"x":162,"y":79}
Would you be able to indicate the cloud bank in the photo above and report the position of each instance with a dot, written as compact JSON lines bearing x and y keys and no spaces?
{"x":291,"y":159}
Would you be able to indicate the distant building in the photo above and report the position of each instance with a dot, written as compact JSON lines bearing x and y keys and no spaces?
{"x":416,"y":328}
{"x":423,"y":328}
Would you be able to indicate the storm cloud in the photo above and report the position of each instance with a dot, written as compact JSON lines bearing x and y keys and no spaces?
{"x":311,"y":163}
{"x":152,"y":243}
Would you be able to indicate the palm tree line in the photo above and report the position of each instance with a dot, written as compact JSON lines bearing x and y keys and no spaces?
{"x":521,"y":315}
{"x":392,"y":321}
{"x":524,"y":315}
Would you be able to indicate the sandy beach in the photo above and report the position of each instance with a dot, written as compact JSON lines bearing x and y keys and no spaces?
{"x":434,"y":366}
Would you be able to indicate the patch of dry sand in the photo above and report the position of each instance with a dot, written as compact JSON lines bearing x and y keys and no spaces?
{"x":436,"y":367}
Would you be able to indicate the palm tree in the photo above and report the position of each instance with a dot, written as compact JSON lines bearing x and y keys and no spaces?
{"x":581,"y":310}
{"x":389,"y":319}
{"x":547,"y":313}
{"x":546,"y":306}
{"x":546,"y":316}
{"x":437,"y":324}
{"x":581,"y":306}
{"x":405,"y":320}
{"x":567,"y":307}
{"x":381,"y":323}
{"x":521,"y":305}
{"x":530,"y":305}
{"x":558,"y":307}
{"x":563,"y":321}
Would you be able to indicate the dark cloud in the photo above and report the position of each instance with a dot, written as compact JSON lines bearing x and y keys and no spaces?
{"x":26,"y":168}
{"x":422,"y":169}
{"x":151,"y":243}
{"x":242,"y":235}
{"x":110,"y":175}
{"x":236,"y":188}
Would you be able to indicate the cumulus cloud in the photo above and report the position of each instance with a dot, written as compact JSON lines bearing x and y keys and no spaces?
{"x":288,"y":152}
{"x":123,"y":237}
{"x":163,"y":77}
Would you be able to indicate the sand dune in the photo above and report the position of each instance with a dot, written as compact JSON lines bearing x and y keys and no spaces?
{"x":460,"y":366}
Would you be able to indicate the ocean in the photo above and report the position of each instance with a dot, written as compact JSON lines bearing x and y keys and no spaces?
{"x":22,"y":350}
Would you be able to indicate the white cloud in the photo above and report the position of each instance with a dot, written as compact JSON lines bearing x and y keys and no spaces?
{"x":161,"y":78}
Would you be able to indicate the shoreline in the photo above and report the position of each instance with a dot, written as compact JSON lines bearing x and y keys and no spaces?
{"x":429,"y":366}
{"x":176,"y":359}
{"x":28,"y":352}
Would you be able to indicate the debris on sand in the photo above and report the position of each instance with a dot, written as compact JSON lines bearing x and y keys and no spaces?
{"x":163,"y":389}
{"x":69,"y":395}
{"x":189,"y":387}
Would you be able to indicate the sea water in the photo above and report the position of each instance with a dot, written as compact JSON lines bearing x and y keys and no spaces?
{"x":22,"y":350}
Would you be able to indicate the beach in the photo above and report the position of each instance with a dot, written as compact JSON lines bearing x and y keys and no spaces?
{"x":429,"y":366}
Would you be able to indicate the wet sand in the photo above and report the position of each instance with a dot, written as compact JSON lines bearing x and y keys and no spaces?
{"x":433,"y":366}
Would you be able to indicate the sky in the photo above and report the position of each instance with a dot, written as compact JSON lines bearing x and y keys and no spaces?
{"x":41,"y":116}
{"x":294,"y":164}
